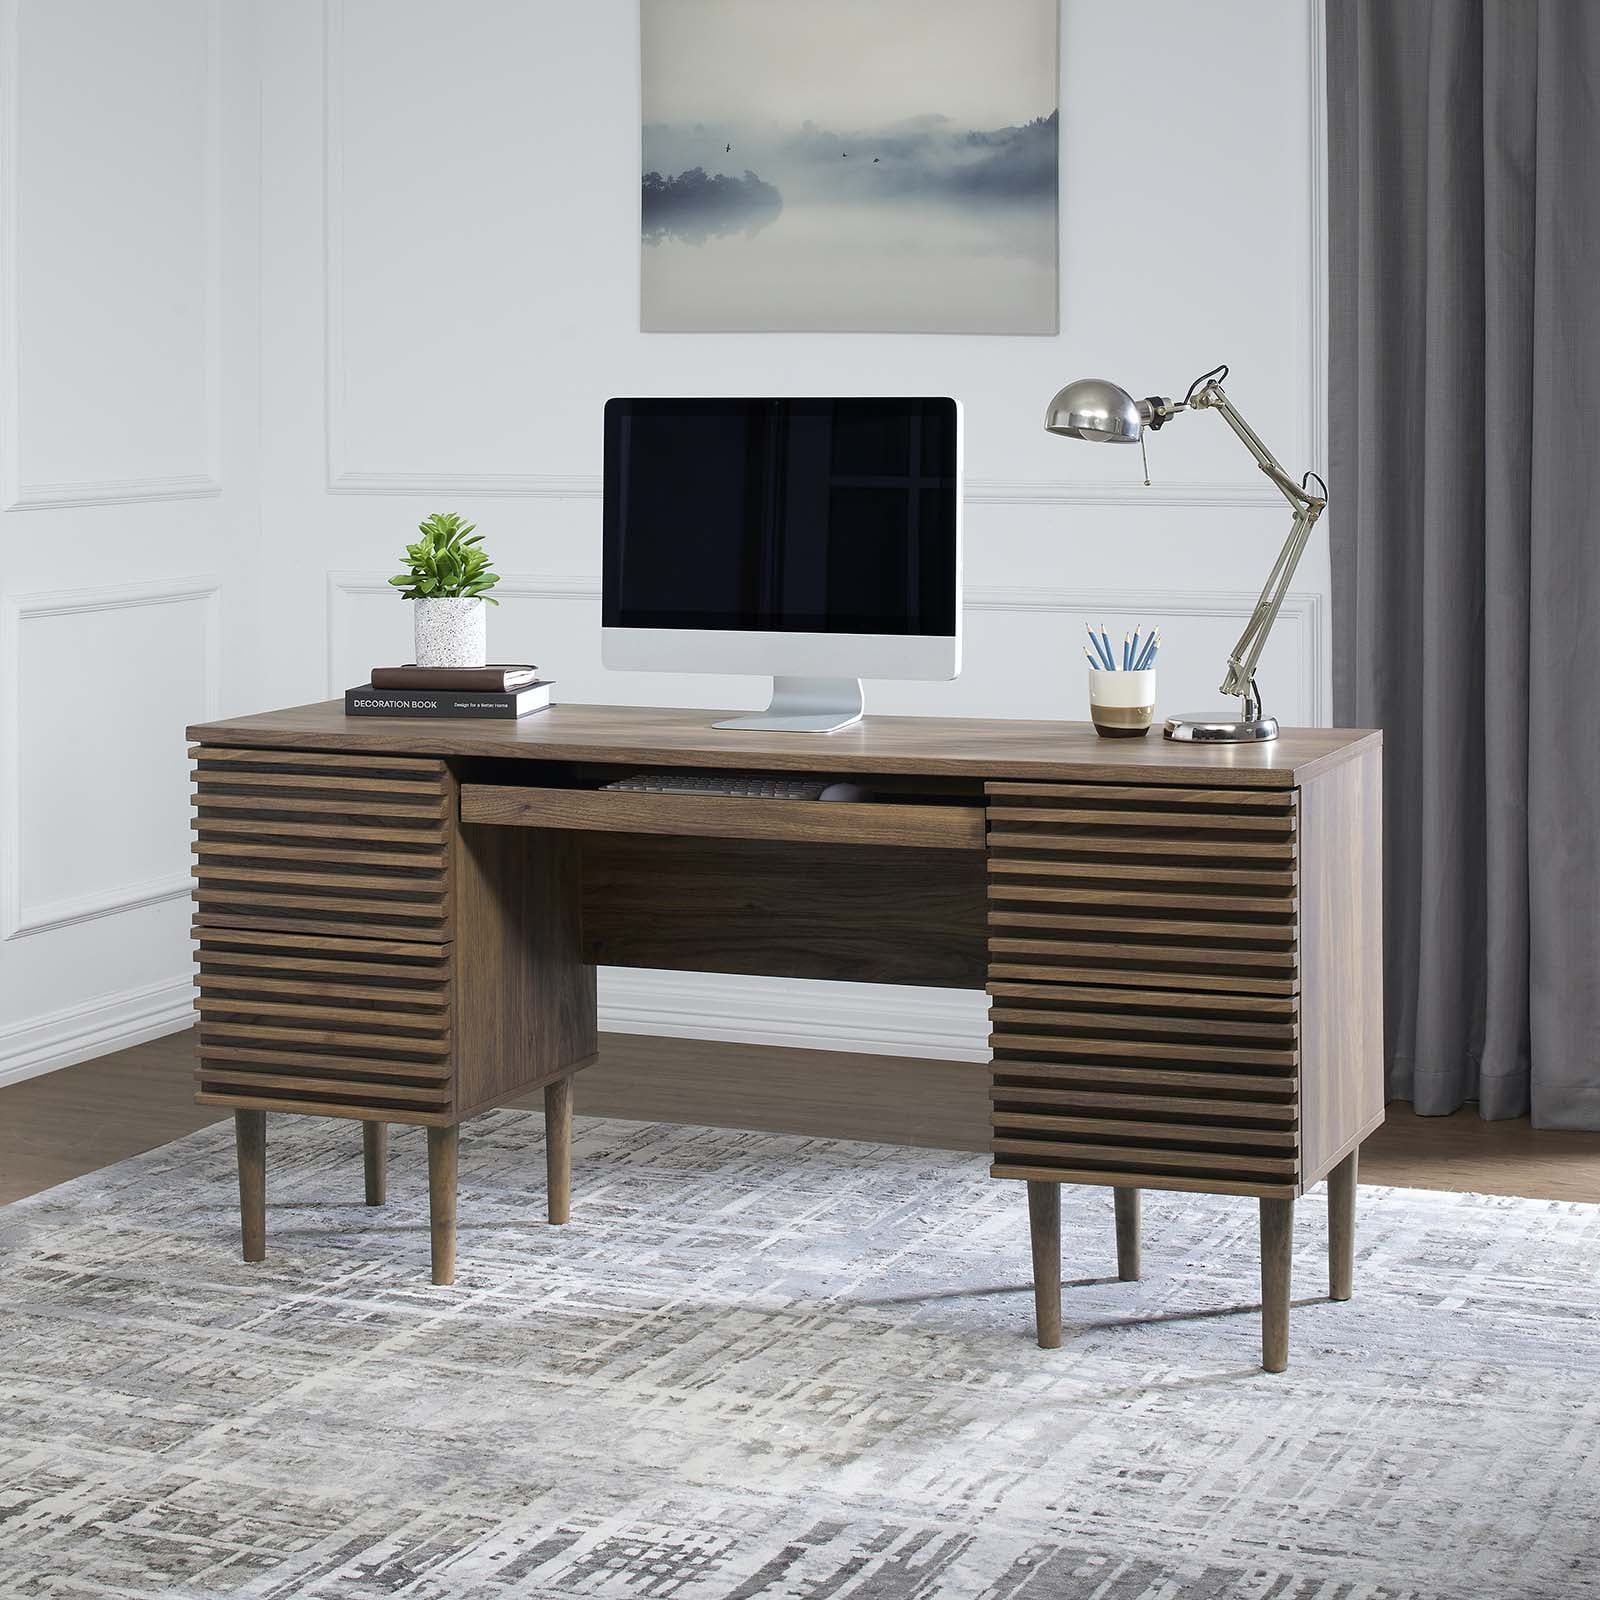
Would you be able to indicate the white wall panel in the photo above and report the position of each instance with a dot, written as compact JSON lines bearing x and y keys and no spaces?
{"x":97,"y":805}
{"x":462,"y":294}
{"x":476,"y":355}
{"x":111,"y":251}
{"x":1023,"y":648}
{"x":129,"y":337}
{"x":479,"y":278}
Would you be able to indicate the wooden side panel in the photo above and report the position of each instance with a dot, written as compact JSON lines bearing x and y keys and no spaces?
{"x":525,"y":996}
{"x":1144,"y":972}
{"x":876,"y":915}
{"x":322,"y":843}
{"x":1341,"y":922}
{"x":313,"y":1023}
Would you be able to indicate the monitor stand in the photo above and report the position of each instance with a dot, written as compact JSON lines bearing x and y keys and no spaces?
{"x":805,"y":705}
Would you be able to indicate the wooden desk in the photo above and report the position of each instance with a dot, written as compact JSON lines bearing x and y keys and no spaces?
{"x":399,"y":921}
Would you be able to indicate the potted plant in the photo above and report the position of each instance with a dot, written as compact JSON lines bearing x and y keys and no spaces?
{"x":448,"y":584}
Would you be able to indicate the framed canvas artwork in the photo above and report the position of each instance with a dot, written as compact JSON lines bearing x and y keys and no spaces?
{"x":849,"y":166}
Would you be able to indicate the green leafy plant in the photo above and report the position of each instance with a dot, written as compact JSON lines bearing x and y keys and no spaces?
{"x":446,"y":563}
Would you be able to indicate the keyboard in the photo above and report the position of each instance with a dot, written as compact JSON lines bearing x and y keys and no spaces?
{"x":743,"y":785}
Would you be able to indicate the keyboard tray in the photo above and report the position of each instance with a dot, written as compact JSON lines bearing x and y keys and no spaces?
{"x":884,"y":822}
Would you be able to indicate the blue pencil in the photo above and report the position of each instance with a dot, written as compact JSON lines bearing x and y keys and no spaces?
{"x":1102,"y":657}
{"x":1150,"y":648}
{"x":1133,"y":649}
{"x":1105,"y":639}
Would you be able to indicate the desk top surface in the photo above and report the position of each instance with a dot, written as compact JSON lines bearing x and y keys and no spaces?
{"x":966,"y":747}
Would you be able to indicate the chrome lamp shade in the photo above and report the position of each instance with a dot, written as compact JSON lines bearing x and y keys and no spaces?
{"x":1098,"y":410}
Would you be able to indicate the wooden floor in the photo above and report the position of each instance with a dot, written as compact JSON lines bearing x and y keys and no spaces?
{"x":55,"y":1127}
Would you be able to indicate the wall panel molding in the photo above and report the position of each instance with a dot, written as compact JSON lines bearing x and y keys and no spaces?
{"x":344,"y":477}
{"x":16,"y":492}
{"x":1303,"y":613}
{"x":489,"y":485}
{"x":345,"y":586}
{"x":94,"y":1028}
{"x":17,"y":917}
{"x":979,"y":491}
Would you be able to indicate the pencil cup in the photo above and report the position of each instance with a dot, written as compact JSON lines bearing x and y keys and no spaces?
{"x":1122,"y":705}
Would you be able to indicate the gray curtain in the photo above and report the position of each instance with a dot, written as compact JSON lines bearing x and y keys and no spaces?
{"x":1464,"y":207}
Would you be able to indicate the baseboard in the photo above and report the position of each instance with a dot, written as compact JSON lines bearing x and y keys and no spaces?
{"x":78,"y":1033}
{"x":937,"y":1024}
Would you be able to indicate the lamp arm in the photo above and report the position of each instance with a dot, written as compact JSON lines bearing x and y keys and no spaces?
{"x":1307,"y":507}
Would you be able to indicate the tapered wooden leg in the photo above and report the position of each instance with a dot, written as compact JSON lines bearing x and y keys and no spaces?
{"x":558,"y":1148}
{"x":443,"y":1144}
{"x":1342,"y":1228}
{"x":250,"y":1138}
{"x":1277,"y":1249}
{"x":1044,"y":1223}
{"x":1127,"y":1201}
{"x":375,"y":1161}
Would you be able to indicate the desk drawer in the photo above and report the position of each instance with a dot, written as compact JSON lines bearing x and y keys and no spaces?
{"x":313,"y":1023}
{"x":323,"y":843}
{"x":1144,"y":886}
{"x":726,"y":817}
{"x":1157,"y":1088}
{"x":1144,"y":982}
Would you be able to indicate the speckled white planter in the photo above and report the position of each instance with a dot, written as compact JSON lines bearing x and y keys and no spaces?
{"x":451,"y":633}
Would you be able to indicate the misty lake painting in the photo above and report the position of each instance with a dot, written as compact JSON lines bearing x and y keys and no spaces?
{"x":885,"y":166}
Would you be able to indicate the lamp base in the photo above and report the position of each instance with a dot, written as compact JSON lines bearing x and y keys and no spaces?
{"x":1218,"y":727}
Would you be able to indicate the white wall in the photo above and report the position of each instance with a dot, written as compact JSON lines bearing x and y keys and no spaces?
{"x":448,"y":291}
{"x":128,"y":493}
{"x":461,"y":290}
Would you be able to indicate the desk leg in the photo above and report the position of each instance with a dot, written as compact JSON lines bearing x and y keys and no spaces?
{"x":1342,"y":1228}
{"x":1044,"y":1224}
{"x":250,"y":1138}
{"x":443,"y":1144}
{"x":1277,"y":1251}
{"x":375,"y":1161}
{"x":1127,"y":1201}
{"x":558,"y":1148}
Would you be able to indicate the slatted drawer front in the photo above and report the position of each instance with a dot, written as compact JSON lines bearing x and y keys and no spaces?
{"x":1170,"y":1088}
{"x":337,"y":844}
{"x":1143,"y":982}
{"x":299,"y":1022}
{"x":1143,"y":886}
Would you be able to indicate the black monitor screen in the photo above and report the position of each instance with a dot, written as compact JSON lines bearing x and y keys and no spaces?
{"x":797,"y":516}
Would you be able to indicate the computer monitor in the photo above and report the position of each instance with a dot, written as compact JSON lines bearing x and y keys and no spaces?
{"x":816,"y":540}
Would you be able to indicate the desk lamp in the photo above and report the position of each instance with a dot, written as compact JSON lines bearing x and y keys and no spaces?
{"x":1093,"y":409}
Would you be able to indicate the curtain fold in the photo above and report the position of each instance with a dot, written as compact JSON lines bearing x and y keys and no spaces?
{"x":1464,"y":355}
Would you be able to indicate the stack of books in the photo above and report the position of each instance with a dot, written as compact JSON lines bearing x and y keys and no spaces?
{"x":412,"y":691}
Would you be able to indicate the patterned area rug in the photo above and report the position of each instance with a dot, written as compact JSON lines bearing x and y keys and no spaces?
{"x":767,"y":1368}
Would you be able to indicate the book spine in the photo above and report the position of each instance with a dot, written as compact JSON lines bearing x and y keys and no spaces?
{"x":425,"y":703}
